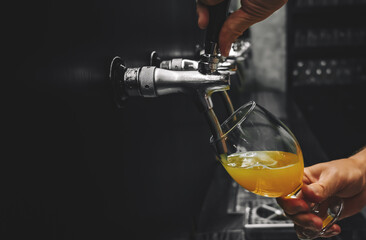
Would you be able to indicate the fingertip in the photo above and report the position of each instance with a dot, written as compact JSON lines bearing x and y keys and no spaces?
{"x":308,"y":221}
{"x":307,"y":226}
{"x":233,"y":27}
{"x":225,"y":49}
{"x":201,"y":24}
{"x":317,"y":223}
{"x":333,"y":231}
{"x":226,"y":39}
{"x":335,"y":228}
{"x":203,"y":16}
{"x":293,"y":206}
{"x":202,"y":21}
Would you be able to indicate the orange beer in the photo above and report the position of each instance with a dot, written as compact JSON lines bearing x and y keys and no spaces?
{"x":267,"y":173}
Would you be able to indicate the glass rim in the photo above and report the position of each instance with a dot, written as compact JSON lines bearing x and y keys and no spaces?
{"x":253,"y":104}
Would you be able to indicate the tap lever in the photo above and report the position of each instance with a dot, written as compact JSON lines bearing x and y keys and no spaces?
{"x":116,"y":70}
{"x":217,"y":16}
{"x":155,"y":60}
{"x":210,"y":60}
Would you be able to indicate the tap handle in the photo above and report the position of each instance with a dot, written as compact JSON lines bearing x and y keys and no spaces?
{"x":217,"y":16}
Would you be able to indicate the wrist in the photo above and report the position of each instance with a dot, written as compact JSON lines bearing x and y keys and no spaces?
{"x":359,"y":159}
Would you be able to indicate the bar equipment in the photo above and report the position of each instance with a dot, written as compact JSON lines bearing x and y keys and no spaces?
{"x":150,"y":81}
{"x":239,"y":52}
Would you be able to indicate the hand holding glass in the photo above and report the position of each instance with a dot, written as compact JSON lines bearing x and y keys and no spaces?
{"x":264,"y":157}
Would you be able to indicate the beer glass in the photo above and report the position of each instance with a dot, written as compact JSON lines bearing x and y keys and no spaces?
{"x":264,"y":157}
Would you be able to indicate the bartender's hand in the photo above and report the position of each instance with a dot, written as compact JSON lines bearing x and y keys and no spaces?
{"x":252,"y":11}
{"x":345,"y":178}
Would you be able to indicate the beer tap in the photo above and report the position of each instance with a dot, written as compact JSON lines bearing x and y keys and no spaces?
{"x":209,"y":65}
{"x":151,"y":81}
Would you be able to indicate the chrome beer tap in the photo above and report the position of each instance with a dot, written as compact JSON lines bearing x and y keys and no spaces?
{"x":209,"y":65}
{"x":151,"y":81}
{"x":239,"y":52}
{"x":182,"y":64}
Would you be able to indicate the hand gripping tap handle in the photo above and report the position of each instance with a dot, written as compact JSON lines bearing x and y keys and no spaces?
{"x":217,"y":16}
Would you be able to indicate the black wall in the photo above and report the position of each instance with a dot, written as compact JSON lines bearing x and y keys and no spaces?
{"x":78,"y":167}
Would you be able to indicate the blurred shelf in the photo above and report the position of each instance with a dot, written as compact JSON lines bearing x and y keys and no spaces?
{"x":326,"y":77}
{"x":328,"y":51}
{"x":329,"y":10}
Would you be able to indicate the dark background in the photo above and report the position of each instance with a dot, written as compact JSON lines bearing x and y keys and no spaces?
{"x":78,"y":168}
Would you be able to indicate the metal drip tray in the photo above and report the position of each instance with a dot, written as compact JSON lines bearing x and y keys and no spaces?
{"x":263,"y":218}
{"x":265,"y":213}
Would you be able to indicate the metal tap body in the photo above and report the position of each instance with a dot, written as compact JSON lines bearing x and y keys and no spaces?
{"x":181,"y":64}
{"x":150,"y":81}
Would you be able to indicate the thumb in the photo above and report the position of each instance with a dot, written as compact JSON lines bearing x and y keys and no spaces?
{"x":317,"y":192}
{"x":251,"y":12}
{"x":233,"y":27}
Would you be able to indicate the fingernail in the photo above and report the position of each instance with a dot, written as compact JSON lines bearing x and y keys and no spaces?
{"x":333,"y":233}
{"x":301,"y":209}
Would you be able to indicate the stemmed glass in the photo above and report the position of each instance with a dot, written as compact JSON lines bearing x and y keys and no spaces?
{"x":263,"y":156}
